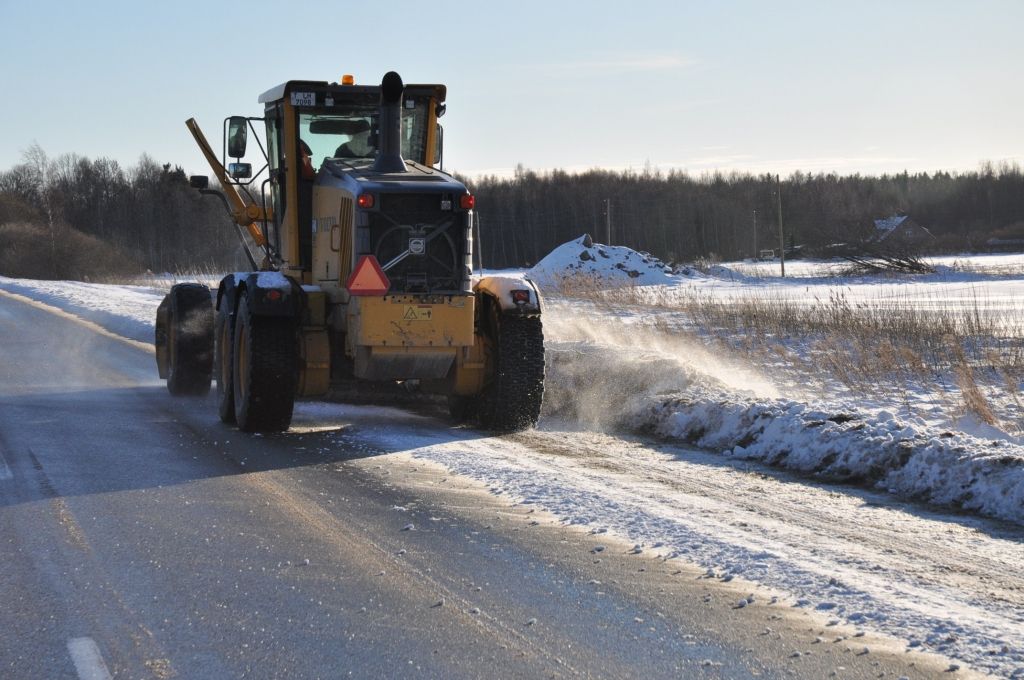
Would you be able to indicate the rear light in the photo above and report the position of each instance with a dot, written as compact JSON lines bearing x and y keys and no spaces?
{"x":365,"y":201}
{"x":521,"y":297}
{"x":273,"y":295}
{"x":467,"y":201}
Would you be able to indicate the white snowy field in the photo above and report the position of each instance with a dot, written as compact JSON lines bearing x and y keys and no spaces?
{"x":663,"y":433}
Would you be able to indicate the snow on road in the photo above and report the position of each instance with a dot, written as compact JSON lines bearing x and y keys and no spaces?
{"x":694,"y":486}
{"x":940,"y":583}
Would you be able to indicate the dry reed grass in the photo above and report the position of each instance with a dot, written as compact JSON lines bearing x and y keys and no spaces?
{"x":207,"y":275}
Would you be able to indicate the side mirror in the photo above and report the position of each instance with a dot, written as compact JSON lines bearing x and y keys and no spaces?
{"x":238,"y":132}
{"x":199,"y":181}
{"x":240,"y":170}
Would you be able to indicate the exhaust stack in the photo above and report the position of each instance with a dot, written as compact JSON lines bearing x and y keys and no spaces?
{"x":389,"y":154}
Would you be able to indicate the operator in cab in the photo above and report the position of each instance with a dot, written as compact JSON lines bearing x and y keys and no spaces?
{"x":358,"y":144}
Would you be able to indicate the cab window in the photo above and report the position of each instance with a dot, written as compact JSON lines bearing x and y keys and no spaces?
{"x":352,"y":133}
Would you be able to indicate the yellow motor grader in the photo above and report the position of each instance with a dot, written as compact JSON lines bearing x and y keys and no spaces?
{"x":361,"y":254}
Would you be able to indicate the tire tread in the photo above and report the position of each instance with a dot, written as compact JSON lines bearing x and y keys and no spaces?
{"x":191,"y":321}
{"x":512,"y":401}
{"x":269,"y":401}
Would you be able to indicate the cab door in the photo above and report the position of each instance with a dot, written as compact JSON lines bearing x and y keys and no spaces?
{"x":275,"y":149}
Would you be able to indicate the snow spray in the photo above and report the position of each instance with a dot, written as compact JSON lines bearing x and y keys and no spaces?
{"x":603,"y":369}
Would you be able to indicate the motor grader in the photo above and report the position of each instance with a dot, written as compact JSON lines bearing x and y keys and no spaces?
{"x":361,"y":255}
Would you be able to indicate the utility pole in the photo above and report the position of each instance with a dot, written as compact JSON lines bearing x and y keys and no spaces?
{"x":782,"y":236}
{"x":755,"y":256}
{"x":608,"y":221}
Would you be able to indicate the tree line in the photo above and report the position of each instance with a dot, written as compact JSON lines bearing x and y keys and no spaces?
{"x":680,"y":217}
{"x":72,"y":217}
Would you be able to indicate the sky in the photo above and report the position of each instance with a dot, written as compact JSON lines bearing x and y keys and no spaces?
{"x":817,"y":86}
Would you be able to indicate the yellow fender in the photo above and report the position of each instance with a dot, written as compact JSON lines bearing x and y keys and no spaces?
{"x":508,"y":291}
{"x":515,"y":295}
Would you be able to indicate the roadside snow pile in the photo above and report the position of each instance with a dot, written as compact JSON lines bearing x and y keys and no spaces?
{"x":604,"y":265}
{"x":129,"y":311}
{"x":725,"y":273}
{"x":900,"y":457}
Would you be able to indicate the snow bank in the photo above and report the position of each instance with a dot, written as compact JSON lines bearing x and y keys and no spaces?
{"x":696,"y":401}
{"x":129,"y":311}
{"x":605,"y":265}
{"x":609,"y":371}
{"x":951,"y":469}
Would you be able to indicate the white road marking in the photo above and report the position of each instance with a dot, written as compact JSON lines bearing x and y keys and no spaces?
{"x":87,"y":659}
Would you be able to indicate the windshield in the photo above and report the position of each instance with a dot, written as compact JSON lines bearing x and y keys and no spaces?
{"x":352,"y":132}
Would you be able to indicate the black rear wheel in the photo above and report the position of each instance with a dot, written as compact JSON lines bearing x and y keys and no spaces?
{"x":190,"y":340}
{"x":512,"y":399}
{"x":223,"y":365}
{"x":265,"y":371}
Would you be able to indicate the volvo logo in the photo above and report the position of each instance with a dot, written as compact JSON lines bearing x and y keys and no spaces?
{"x":418,"y":245}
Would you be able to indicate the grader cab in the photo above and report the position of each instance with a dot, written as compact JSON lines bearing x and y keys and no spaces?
{"x":361,"y":250}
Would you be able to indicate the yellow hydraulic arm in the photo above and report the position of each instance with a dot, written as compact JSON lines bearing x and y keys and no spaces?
{"x":244,"y":215}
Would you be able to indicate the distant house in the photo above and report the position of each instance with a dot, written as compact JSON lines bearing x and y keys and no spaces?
{"x":900,"y":230}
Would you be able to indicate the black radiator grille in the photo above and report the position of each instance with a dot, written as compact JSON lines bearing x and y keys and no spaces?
{"x":432,"y":239}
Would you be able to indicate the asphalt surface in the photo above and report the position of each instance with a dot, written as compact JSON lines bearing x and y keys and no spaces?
{"x":141,"y":538}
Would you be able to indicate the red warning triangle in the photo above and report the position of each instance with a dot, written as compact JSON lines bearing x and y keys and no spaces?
{"x":367,"y":278}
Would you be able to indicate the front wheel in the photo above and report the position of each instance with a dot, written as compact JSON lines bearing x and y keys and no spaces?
{"x":265,"y":376}
{"x":512,"y":399}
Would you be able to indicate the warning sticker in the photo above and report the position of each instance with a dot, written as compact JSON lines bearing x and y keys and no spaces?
{"x":418,"y":313}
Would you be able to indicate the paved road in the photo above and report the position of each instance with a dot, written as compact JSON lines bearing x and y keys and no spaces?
{"x":143,"y":539}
